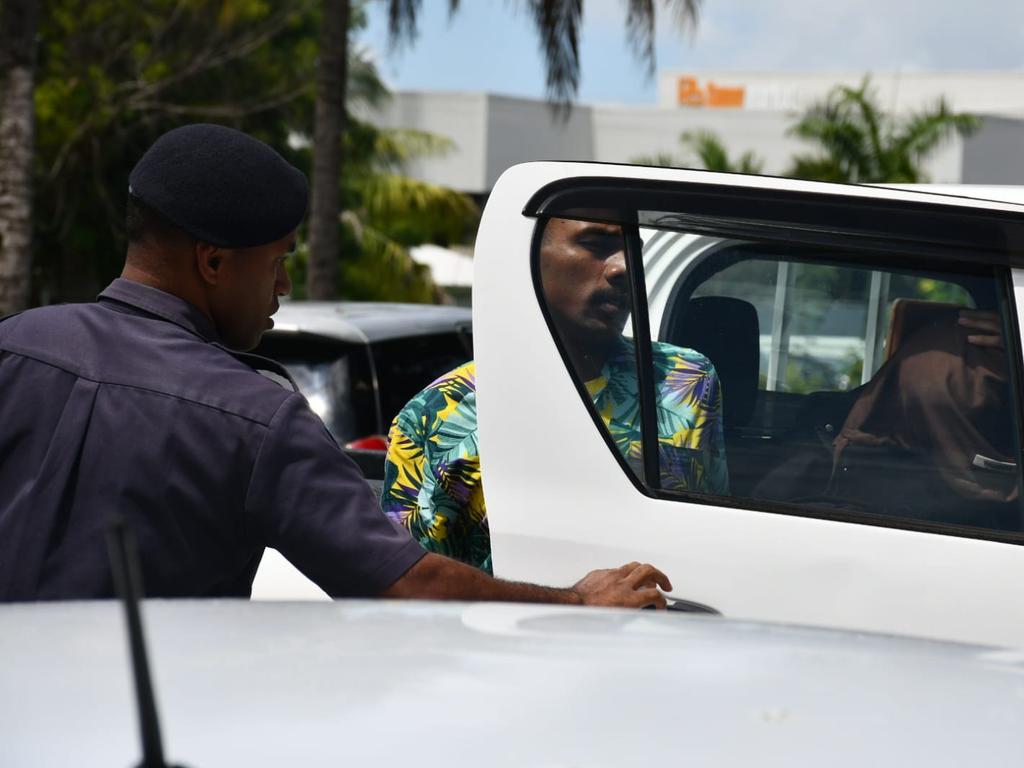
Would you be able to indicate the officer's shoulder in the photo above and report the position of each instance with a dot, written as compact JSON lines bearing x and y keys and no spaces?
{"x":44,"y":322}
{"x":243,"y":384}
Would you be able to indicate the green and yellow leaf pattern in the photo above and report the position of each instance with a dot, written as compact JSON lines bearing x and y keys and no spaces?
{"x":432,"y":481}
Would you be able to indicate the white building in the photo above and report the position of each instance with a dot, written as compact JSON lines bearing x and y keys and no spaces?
{"x":749,"y":111}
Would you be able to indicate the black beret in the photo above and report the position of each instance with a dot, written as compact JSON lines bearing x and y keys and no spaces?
{"x":221,"y":186}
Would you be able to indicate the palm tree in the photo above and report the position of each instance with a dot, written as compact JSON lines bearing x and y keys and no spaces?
{"x":860,"y":143}
{"x":710,"y":152}
{"x":18,"y":22}
{"x":328,"y":127}
{"x":557,"y":23}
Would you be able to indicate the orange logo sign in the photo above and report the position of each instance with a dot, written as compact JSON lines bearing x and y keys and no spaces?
{"x":690,"y":94}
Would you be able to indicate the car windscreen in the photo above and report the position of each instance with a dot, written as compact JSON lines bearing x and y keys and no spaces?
{"x":333,"y":375}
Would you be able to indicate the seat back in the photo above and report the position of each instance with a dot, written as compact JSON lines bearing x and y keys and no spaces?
{"x":727,"y":332}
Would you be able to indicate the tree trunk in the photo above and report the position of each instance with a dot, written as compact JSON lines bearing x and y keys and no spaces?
{"x":325,"y":209}
{"x":18,"y":22}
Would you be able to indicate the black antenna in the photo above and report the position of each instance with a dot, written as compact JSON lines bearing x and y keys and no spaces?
{"x":124,"y":562}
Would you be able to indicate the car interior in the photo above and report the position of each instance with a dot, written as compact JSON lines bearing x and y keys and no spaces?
{"x":928,"y":436}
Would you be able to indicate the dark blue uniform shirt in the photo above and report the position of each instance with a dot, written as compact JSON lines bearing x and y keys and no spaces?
{"x":129,"y":406}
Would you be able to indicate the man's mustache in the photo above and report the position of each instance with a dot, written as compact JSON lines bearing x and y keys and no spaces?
{"x":618,"y":298}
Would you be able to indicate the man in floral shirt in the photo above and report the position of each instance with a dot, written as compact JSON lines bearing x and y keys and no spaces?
{"x":432,"y":481}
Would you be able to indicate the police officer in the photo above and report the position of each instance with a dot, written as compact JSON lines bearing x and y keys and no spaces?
{"x":141,"y":404}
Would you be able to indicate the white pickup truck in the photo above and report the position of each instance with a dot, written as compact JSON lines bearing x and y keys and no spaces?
{"x":873,"y":440}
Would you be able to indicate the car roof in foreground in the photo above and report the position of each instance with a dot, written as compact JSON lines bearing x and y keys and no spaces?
{"x":992,"y":192}
{"x":427,"y":684}
{"x":367,"y":321}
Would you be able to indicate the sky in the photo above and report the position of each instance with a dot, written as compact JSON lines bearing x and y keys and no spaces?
{"x":490,"y":45}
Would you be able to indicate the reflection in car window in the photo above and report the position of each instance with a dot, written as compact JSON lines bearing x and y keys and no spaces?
{"x":816,"y":319}
{"x":845,"y":386}
{"x":849,"y":386}
{"x":583,"y":277}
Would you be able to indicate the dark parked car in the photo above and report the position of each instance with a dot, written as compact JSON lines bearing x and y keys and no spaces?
{"x":359,"y":363}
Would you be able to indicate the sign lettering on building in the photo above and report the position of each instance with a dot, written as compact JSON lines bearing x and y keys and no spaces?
{"x":689,"y":93}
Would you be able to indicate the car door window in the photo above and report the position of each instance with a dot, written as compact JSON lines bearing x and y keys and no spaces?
{"x":822,"y":379}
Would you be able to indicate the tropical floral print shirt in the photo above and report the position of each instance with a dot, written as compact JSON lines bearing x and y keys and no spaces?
{"x":432,"y":480}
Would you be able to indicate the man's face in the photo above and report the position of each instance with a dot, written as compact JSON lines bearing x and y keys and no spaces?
{"x":583,"y":273}
{"x":250,"y":282}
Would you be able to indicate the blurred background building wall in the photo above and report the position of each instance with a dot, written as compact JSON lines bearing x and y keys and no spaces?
{"x":748,"y":111}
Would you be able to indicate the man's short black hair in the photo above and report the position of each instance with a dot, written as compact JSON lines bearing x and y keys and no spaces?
{"x":144,"y":225}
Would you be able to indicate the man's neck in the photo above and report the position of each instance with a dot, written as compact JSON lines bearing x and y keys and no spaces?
{"x":168,"y":283}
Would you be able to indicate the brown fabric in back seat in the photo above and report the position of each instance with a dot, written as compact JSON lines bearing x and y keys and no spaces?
{"x":947,"y":401}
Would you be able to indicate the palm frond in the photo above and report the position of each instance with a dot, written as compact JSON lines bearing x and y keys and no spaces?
{"x":365,"y":88}
{"x":835,"y":127}
{"x":714,"y":156}
{"x":640,"y":31}
{"x":658,"y":160}
{"x":384,"y":267}
{"x":816,"y":168}
{"x":641,"y":24}
{"x":870,"y":116}
{"x":685,"y":12}
{"x":558,"y":27}
{"x":402,"y":21}
{"x":750,"y":163}
{"x":709,"y":149}
{"x":394,"y":147}
{"x":924,"y":131}
{"x":416,"y":211}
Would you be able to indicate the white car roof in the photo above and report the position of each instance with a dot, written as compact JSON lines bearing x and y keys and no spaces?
{"x":368,"y":321}
{"x":377,"y":683}
{"x":993,"y":192}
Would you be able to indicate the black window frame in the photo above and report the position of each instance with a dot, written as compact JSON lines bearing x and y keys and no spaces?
{"x":999,"y":246}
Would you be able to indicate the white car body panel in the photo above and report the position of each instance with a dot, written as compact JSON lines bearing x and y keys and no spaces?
{"x":559,"y":503}
{"x":449,"y":685}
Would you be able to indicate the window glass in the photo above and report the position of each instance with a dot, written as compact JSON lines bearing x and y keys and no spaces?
{"x":846,"y":384}
{"x":823,"y":326}
{"x":583,"y":276}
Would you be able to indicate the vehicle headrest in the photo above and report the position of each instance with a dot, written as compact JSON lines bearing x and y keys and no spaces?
{"x":726,"y":331}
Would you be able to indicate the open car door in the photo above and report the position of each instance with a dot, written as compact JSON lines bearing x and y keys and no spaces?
{"x":802,"y":401}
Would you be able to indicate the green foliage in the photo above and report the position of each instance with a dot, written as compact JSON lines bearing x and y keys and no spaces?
{"x":115,"y":74}
{"x":408,"y":210}
{"x":710,"y":154}
{"x":376,"y":268}
{"x":713,"y":156}
{"x":860,"y":143}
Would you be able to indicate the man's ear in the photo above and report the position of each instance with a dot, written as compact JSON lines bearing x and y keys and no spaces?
{"x":209,"y":259}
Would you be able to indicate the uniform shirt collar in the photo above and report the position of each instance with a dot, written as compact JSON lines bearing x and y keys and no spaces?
{"x":161,"y":304}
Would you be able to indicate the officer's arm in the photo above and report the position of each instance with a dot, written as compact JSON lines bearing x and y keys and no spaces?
{"x":434,"y":577}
